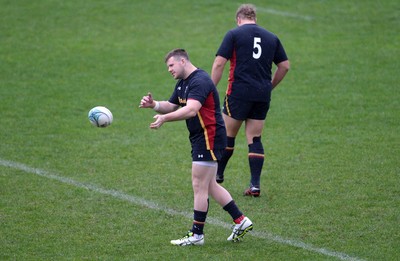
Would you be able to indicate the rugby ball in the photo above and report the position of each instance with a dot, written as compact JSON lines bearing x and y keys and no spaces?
{"x":100,"y":116}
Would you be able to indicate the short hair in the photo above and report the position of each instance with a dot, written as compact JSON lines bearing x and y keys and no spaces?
{"x":246,"y":11}
{"x":177,"y":53}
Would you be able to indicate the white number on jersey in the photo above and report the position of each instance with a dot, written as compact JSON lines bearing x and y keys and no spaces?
{"x":257,"y":47}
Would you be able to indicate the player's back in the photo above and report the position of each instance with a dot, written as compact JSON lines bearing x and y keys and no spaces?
{"x":255,"y":49}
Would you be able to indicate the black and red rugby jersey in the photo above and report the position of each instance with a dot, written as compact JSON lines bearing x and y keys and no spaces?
{"x":251,"y":50}
{"x":206,"y":129}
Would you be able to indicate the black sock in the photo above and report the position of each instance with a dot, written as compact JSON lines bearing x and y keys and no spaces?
{"x":199,"y":220}
{"x":256,"y":161}
{"x":230,"y":147}
{"x":233,"y":210}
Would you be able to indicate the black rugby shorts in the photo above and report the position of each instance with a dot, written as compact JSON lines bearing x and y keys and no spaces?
{"x":206,"y":155}
{"x":241,"y":110}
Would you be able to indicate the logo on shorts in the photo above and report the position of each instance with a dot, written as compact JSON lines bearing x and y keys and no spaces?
{"x":200,"y":156}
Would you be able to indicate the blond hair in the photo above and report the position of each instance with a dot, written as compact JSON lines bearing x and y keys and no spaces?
{"x":246,"y":11}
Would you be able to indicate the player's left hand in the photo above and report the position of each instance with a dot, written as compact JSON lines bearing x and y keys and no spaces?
{"x":158,"y":122}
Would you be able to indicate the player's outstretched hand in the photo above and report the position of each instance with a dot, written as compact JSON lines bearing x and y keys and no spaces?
{"x":158,"y":122}
{"x":147,"y":101}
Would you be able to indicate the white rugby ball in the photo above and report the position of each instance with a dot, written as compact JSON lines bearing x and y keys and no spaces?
{"x":100,"y":116}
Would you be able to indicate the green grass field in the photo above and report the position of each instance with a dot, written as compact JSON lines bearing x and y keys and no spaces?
{"x":71,"y":191}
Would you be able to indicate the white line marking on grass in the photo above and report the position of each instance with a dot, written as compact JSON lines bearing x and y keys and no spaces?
{"x":286,"y":14}
{"x":156,"y":206}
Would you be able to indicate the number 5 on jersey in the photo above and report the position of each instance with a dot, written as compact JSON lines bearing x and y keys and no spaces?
{"x":257,"y":48}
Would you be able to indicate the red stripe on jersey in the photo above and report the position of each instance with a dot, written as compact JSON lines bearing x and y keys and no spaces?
{"x":231,"y":77}
{"x":207,"y":120}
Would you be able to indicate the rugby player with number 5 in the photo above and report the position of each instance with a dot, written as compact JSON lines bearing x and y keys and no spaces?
{"x":251,"y":50}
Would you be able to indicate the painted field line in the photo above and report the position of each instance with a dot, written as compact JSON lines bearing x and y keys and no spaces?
{"x":153,"y":205}
{"x":286,"y":14}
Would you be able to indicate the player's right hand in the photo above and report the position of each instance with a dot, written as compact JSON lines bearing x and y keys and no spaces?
{"x":147,"y":101}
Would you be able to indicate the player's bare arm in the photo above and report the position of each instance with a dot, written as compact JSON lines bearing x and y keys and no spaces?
{"x":282,"y":69}
{"x":189,"y":111}
{"x":159,"y":106}
{"x":218,"y":69}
